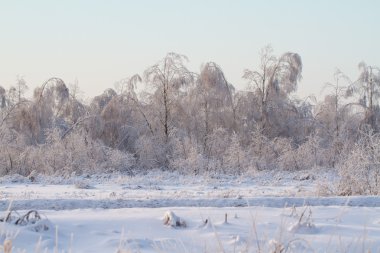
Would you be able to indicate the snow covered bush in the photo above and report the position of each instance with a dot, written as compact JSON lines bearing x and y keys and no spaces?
{"x":261,"y":151}
{"x":215,"y":149}
{"x":186,"y":158}
{"x":307,"y":155}
{"x":118,"y":160}
{"x":76,"y":153}
{"x":82,"y":184}
{"x":360,"y":170}
{"x":286,"y":154}
{"x":236,"y":160}
{"x":150,"y":152}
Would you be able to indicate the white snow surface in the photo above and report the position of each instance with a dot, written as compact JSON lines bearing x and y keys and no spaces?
{"x":122,"y":213}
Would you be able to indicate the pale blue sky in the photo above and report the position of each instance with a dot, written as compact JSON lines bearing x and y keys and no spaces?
{"x":100,"y":42}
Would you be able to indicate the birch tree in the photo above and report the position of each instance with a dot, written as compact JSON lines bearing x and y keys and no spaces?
{"x":367,"y":87}
{"x":168,"y":76}
{"x":214,"y":98}
{"x":275,"y":79}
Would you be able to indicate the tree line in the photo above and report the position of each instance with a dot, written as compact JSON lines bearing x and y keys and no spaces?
{"x":196,"y":123}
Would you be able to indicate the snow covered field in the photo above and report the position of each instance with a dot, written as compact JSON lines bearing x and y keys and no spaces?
{"x":106,"y":213}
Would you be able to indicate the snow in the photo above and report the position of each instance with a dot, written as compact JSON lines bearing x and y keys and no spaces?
{"x":121,"y":213}
{"x":99,"y":230}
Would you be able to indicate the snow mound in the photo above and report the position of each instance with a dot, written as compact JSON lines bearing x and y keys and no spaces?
{"x":305,"y":224}
{"x":303,"y":228}
{"x":170,"y":219}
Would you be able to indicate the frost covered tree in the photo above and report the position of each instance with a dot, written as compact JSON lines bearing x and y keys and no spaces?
{"x":213,"y":96}
{"x":274,"y":80}
{"x":123,"y":122}
{"x":330,"y":110}
{"x":113,"y":117}
{"x":367,"y":87}
{"x":16,"y":92}
{"x":168,"y":77}
{"x":331,"y":117}
{"x":195,"y":123}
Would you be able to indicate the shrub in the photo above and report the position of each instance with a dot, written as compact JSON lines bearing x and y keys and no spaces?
{"x":360,"y":171}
